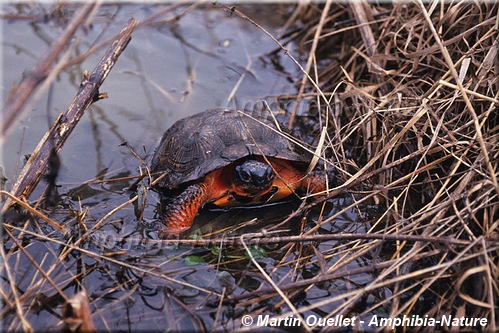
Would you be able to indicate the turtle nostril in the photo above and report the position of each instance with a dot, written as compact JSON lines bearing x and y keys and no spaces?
{"x":265,"y":178}
{"x":270,"y":174}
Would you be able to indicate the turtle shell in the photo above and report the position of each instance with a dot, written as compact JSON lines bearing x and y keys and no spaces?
{"x":197,"y":145}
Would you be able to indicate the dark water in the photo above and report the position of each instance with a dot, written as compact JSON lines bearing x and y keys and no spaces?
{"x":207,"y":58}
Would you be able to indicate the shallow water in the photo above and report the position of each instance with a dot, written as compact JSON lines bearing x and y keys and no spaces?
{"x":208,"y":58}
{"x":167,"y":72}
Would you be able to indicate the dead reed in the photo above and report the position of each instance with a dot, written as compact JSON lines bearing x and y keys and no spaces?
{"x":409,"y":95}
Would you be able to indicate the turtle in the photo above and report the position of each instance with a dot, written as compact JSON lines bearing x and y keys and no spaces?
{"x":227,"y":158}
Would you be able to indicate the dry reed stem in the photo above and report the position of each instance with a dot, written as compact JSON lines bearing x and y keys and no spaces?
{"x":274,"y":285}
{"x":34,"y":211}
{"x":19,"y":308}
{"x":465,"y":96}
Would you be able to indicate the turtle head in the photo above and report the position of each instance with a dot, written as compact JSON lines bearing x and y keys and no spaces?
{"x":253,"y":177}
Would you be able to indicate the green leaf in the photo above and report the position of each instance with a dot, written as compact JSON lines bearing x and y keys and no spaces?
{"x":256,"y":252}
{"x":194,"y":260}
{"x":196,"y":237}
{"x":215,"y":250}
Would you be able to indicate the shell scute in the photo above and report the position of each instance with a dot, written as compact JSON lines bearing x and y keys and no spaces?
{"x":199,"y":144}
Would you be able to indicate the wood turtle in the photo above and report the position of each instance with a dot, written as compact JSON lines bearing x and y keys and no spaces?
{"x":227,"y":158}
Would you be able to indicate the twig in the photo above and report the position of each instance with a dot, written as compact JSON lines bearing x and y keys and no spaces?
{"x":473,"y":93}
{"x":33,"y":211}
{"x":64,"y":125}
{"x":19,"y":308}
{"x":264,"y":239}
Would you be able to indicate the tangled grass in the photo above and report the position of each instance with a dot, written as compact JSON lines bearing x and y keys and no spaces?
{"x":409,"y":93}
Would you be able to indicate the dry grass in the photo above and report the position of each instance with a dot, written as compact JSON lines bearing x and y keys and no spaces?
{"x":408,"y":94}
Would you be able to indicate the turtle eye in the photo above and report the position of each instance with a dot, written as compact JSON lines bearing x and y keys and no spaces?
{"x":243,"y":174}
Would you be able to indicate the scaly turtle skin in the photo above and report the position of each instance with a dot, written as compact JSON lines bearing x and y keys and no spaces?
{"x":227,"y":158}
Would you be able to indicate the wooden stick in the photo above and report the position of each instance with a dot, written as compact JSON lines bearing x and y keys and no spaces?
{"x":76,"y":314}
{"x":264,"y":239}
{"x":59,"y":132}
{"x":22,"y":92}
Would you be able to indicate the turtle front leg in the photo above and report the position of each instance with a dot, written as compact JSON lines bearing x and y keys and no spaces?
{"x":179,"y":214}
{"x":316,"y":182}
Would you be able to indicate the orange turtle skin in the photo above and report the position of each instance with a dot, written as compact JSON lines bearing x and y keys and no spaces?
{"x":218,"y":189}
{"x":227,"y":158}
